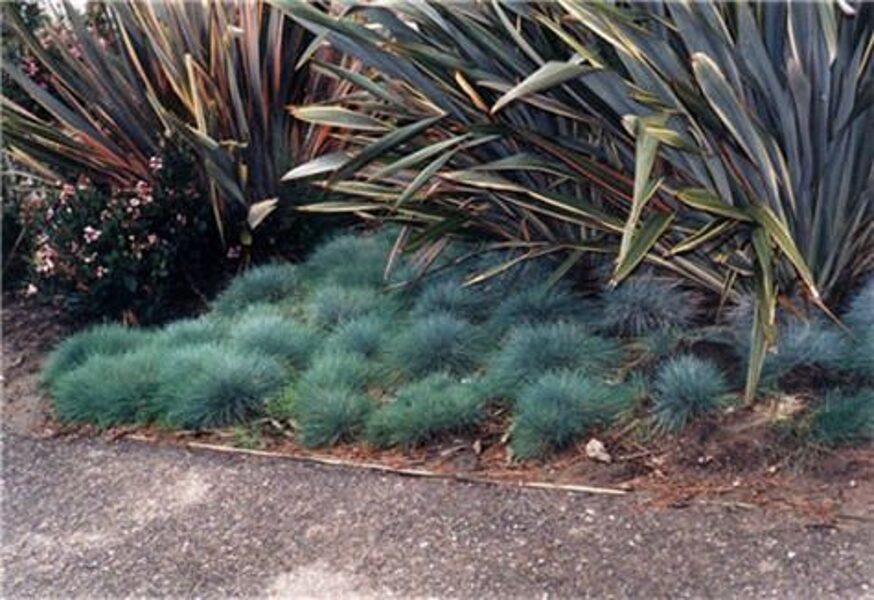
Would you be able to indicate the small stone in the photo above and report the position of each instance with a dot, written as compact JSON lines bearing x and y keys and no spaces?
{"x":596,"y":451}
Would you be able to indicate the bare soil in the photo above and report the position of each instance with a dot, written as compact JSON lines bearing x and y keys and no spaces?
{"x":738,"y":462}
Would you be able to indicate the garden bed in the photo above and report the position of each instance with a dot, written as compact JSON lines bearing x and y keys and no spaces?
{"x":732,"y":456}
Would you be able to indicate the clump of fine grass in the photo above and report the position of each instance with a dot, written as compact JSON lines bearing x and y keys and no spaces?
{"x":843,"y":417}
{"x":102,"y":340}
{"x":645,"y":304}
{"x":333,"y":305}
{"x":558,"y":408}
{"x":366,"y":335}
{"x":331,"y":415}
{"x":424,"y":410}
{"x":266,"y":284}
{"x":801,"y":343}
{"x":215,"y":385}
{"x":859,"y":358}
{"x":685,"y":387}
{"x":337,"y":369}
{"x":860,"y":313}
{"x":284,"y":339}
{"x":537,"y":305}
{"x":451,"y":297}
{"x":533,"y":350}
{"x":439,"y":342}
{"x":350,"y":260}
{"x":110,"y":390}
{"x":190,"y":331}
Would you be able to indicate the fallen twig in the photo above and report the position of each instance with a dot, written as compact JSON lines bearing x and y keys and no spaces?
{"x":423,"y":473}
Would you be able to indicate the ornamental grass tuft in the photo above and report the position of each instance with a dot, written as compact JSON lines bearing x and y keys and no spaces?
{"x":110,"y":390}
{"x":190,"y":331}
{"x":332,"y":305}
{"x":685,"y":387}
{"x":533,"y":350}
{"x":538,"y":305}
{"x":366,"y":335}
{"x":216,"y":385}
{"x":558,"y":408}
{"x":860,"y":313}
{"x":102,"y":340}
{"x":331,"y":415}
{"x":843,"y":417}
{"x":350,"y":260}
{"x":265,"y":284}
{"x":439,"y":342}
{"x":425,"y":410}
{"x":644,"y":305}
{"x":337,"y":369}
{"x":284,"y":339}
{"x":449,"y":296}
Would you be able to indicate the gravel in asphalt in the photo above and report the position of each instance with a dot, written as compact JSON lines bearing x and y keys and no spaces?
{"x":93,"y":519}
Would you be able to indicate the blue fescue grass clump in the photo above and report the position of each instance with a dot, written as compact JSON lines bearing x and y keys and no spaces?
{"x":645,"y":304}
{"x":425,"y":410}
{"x":284,"y":339}
{"x":806,"y":343}
{"x":366,"y":335}
{"x":685,"y":387}
{"x":843,"y":417}
{"x":859,"y":358}
{"x":533,"y":350}
{"x":110,"y":390}
{"x":102,"y":340}
{"x":439,"y":342}
{"x":331,"y":415}
{"x":536,"y":305}
{"x":215,"y":385}
{"x":449,"y":296}
{"x":190,"y":331}
{"x":332,"y":305}
{"x":266,"y":284}
{"x":337,"y":369}
{"x":558,"y":408}
{"x":350,"y":260}
{"x":860,"y":314}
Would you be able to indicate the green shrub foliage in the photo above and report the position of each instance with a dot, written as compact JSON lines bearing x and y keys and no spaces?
{"x":644,"y":305}
{"x":424,"y":410}
{"x":331,"y":415}
{"x":558,"y":408}
{"x":439,"y":342}
{"x":533,"y":350}
{"x":686,"y":386}
{"x":101,"y":340}
{"x":288,"y":341}
{"x":844,"y":417}
{"x":267,"y":284}
{"x":215,"y":385}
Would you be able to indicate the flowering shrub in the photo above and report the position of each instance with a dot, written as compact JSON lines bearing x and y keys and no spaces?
{"x":133,"y":252}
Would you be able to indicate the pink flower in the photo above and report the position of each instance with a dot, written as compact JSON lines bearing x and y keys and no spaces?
{"x":233,"y":252}
{"x":90,"y":234}
{"x":152,"y":239}
{"x":50,"y":213}
{"x":156,"y":163}
{"x":100,"y":271}
{"x":181,"y":219}
{"x":31,"y":290}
